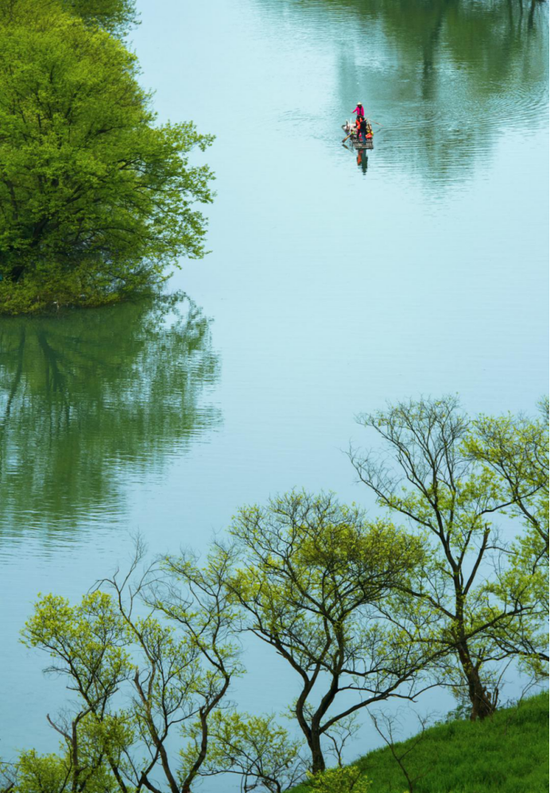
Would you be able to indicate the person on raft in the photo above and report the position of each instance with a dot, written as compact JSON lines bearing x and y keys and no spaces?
{"x":360,"y":110}
{"x":363,"y":129}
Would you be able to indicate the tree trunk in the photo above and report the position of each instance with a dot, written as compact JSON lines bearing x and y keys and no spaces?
{"x":317,"y":759}
{"x":483,"y":704}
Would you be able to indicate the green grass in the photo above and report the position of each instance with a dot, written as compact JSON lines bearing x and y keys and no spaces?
{"x":507,"y":753}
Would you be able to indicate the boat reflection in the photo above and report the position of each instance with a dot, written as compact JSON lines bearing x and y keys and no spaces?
{"x":361,"y":156}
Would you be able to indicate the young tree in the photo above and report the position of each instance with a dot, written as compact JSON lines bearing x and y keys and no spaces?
{"x":515,"y":450}
{"x":89,"y":645}
{"x":88,"y":748}
{"x":425,"y":473}
{"x":138,"y":680}
{"x":311,"y":578}
{"x":95,"y":199}
{"x":349,"y":779}
{"x":255,"y":748}
{"x":386,"y":726}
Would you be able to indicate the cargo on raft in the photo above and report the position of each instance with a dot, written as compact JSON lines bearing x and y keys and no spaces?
{"x":350,"y":129}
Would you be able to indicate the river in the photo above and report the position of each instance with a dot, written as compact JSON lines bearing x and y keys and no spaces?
{"x":332,"y":286}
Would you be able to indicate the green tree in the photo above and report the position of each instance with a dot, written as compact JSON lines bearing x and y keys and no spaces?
{"x":515,"y":450}
{"x":95,"y":200}
{"x":311,"y":578}
{"x":138,"y":679}
{"x":341,"y":780}
{"x":423,"y":471}
{"x":255,"y":748}
{"x":115,"y":16}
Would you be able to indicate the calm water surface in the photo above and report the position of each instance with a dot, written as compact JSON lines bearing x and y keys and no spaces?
{"x":332,"y":286}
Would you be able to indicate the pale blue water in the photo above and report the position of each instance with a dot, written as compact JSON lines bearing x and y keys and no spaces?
{"x":330,"y":290}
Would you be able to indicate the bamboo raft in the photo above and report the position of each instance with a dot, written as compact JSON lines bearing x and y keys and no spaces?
{"x":351,"y":130}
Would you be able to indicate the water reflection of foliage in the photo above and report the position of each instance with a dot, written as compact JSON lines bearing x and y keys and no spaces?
{"x":482,"y":34}
{"x":450,"y":76}
{"x":463,"y":61}
{"x":94,"y":395}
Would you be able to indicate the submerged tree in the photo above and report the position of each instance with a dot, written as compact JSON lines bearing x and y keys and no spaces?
{"x":95,"y":199}
{"x":425,"y":473}
{"x":311,"y":577}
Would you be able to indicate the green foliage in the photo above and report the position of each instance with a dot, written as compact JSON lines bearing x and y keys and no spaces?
{"x":96,"y":201}
{"x":313,"y":579}
{"x":254,"y":747}
{"x":514,"y":450}
{"x":87,"y":641}
{"x":114,"y":16}
{"x":43,"y":772}
{"x":81,"y":763}
{"x":340,"y":780}
{"x":466,"y":602}
{"x":141,"y":671}
{"x":507,"y":753}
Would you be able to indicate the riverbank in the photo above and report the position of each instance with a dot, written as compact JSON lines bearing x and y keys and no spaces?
{"x":507,"y":753}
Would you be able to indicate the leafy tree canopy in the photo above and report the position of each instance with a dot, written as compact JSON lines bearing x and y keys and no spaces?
{"x":451,"y":478}
{"x":140,"y":670}
{"x":311,"y":578}
{"x":115,"y":16}
{"x":514,"y":449}
{"x":95,"y":200}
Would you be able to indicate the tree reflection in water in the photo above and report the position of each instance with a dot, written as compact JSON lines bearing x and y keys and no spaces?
{"x":93,"y":397}
{"x":446,"y":78}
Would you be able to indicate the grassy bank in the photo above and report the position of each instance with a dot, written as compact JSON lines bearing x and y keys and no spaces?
{"x":508,"y":753}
